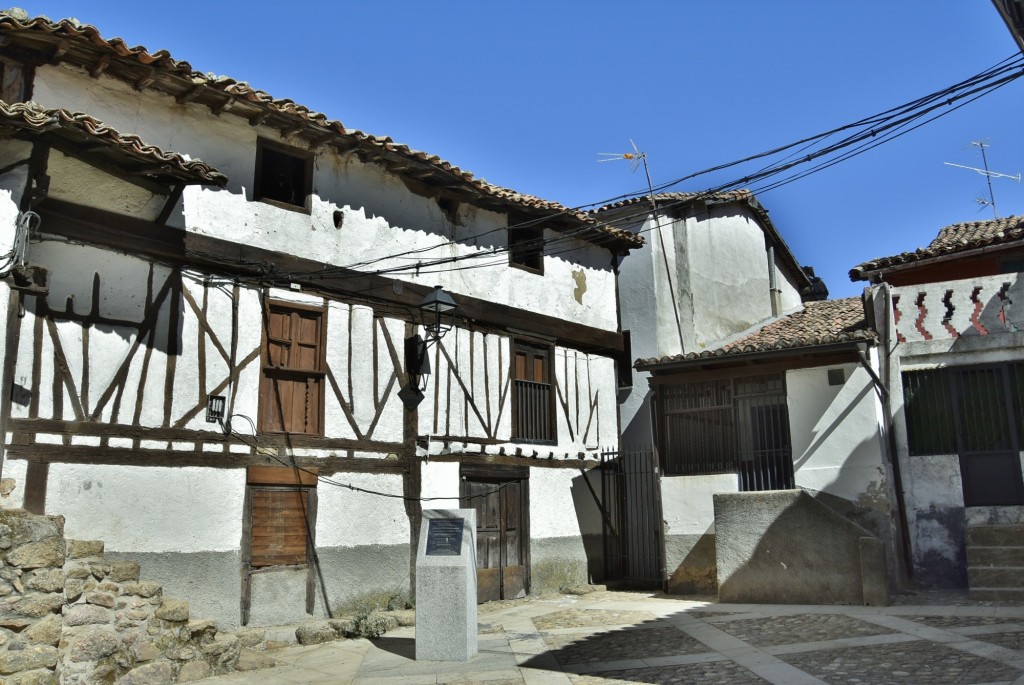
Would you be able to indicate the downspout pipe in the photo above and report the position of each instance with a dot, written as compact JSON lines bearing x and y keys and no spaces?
{"x":897,"y":476}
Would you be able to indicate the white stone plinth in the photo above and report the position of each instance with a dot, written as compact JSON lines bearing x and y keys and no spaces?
{"x":446,"y":590}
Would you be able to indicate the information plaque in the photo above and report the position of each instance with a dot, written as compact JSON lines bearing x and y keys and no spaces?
{"x":444,"y":537}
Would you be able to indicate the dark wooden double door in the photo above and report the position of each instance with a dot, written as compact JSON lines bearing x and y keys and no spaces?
{"x":502,"y":536}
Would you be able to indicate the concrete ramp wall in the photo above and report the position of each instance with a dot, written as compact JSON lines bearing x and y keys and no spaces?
{"x":785,"y":547}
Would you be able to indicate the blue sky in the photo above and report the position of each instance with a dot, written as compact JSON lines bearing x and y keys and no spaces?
{"x":527,"y":94}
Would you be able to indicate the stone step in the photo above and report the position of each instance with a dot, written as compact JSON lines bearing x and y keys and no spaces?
{"x":997,"y":594}
{"x":995,"y":535}
{"x":1009,"y":577}
{"x":978,"y":555}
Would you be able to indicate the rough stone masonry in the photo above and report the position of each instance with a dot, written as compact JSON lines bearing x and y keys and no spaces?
{"x":69,"y":616}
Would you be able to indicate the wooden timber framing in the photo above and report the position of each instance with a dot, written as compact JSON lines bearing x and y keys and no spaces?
{"x":127,"y":234}
{"x":128,"y":456}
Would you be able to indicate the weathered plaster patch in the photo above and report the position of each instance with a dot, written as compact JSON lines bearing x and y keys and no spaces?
{"x":579,"y":276}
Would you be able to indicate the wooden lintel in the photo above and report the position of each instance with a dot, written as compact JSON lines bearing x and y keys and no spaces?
{"x":223,"y":106}
{"x":189,"y":95}
{"x":511,"y":460}
{"x":126,"y":233}
{"x":97,"y":69}
{"x":146,"y":80}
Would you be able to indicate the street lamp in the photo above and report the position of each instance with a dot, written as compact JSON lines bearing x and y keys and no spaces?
{"x":436,"y":304}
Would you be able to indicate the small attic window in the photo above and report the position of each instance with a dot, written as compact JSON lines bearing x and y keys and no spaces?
{"x":284,"y":175}
{"x":525,"y":244}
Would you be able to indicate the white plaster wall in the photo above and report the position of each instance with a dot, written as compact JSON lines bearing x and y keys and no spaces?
{"x":553,"y":510}
{"x":836,"y":434}
{"x":728,"y":274}
{"x":440,"y":479}
{"x":346,"y":518}
{"x":15,"y":470}
{"x":381,"y":215}
{"x":190,"y":509}
{"x":789,"y":293}
{"x":687,"y":504}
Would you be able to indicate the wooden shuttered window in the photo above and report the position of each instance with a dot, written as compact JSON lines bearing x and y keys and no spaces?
{"x":533,"y":416}
{"x":282,"y":516}
{"x":292,"y":386}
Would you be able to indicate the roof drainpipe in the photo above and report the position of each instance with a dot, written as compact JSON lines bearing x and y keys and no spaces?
{"x":773,"y":285}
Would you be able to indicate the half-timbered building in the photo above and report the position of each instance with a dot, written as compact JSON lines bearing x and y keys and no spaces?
{"x":218,"y":367}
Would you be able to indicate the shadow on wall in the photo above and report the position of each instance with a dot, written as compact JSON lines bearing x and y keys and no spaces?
{"x":697,"y":573}
{"x":785,"y":547}
{"x":592,"y":516}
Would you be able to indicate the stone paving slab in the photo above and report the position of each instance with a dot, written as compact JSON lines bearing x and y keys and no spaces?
{"x":619,"y":637}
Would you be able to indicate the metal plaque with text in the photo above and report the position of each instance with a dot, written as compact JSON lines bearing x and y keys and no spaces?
{"x":444,"y":537}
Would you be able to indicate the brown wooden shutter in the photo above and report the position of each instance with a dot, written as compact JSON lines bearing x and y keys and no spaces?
{"x":291,"y":391}
{"x":283,"y":514}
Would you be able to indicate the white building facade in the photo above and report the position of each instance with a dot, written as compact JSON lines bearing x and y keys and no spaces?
{"x":279,"y":281}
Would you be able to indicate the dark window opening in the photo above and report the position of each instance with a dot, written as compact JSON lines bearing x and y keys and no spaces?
{"x":973,"y":412}
{"x":526,"y":248}
{"x":625,"y":362}
{"x":738,"y":425}
{"x":292,"y":385}
{"x":836,"y":377}
{"x":533,"y":417}
{"x":284,"y":176}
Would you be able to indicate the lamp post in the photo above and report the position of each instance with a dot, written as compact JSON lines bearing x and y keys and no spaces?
{"x":435,"y":305}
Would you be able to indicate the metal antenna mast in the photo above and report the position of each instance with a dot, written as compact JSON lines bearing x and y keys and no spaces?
{"x":989,"y":175}
{"x":636,"y":158}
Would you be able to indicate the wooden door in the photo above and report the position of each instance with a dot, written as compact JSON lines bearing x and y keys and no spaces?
{"x":500,"y":536}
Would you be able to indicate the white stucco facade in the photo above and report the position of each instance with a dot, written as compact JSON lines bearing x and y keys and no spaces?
{"x":118,"y":354}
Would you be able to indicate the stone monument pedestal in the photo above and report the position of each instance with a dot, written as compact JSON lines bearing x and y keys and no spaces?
{"x":446,"y":586}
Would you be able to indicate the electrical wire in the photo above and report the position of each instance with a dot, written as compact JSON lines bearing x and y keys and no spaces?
{"x":228,"y":432}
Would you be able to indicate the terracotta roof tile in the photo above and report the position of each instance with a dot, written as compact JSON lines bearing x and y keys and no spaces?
{"x":77,"y":126}
{"x":818,"y":323}
{"x":682,"y":198}
{"x":951,"y":240}
{"x":186,"y":84}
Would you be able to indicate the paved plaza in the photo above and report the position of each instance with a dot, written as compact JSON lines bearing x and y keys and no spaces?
{"x":619,"y":637}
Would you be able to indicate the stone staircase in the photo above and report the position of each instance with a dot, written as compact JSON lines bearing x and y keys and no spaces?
{"x":995,"y":561}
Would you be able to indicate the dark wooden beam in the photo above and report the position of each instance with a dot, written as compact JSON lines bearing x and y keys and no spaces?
{"x":145,"y":79}
{"x":133,"y":235}
{"x":126,"y":456}
{"x":189,"y":95}
{"x":223,"y":106}
{"x":97,"y":69}
{"x":260,"y":118}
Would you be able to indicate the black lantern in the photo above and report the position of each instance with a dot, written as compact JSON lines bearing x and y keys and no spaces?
{"x":436,"y":304}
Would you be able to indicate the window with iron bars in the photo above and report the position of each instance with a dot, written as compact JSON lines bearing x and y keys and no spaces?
{"x":732,"y":425}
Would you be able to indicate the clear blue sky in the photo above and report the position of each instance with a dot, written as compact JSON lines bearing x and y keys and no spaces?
{"x":526,"y":94}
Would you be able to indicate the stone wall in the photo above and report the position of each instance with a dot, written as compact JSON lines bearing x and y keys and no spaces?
{"x":69,"y":616}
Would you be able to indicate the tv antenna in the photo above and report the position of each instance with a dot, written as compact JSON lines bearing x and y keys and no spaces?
{"x":636,"y":158}
{"x":989,"y":175}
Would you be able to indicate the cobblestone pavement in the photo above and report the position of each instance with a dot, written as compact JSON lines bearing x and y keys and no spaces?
{"x":617,"y":637}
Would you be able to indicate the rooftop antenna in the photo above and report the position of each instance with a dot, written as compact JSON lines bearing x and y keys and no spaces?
{"x":989,"y":175}
{"x":636,"y":158}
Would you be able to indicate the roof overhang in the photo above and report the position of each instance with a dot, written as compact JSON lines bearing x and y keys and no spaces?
{"x":79,"y":135}
{"x":802,"y":354}
{"x":44,"y":41}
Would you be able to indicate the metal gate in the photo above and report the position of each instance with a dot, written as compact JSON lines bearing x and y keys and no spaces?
{"x":633,"y":539}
